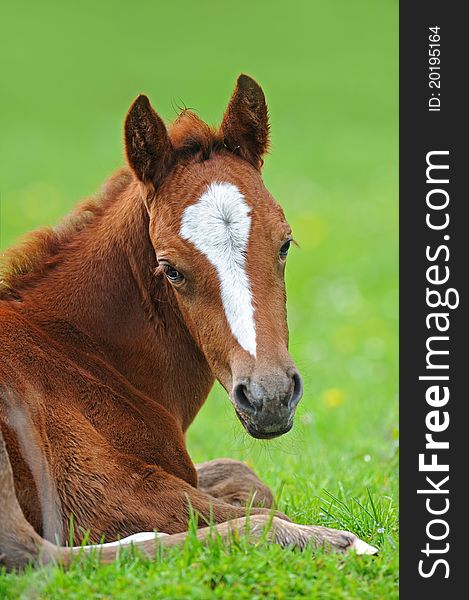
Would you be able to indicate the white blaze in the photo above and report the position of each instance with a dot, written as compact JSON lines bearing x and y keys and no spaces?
{"x":218,"y":225}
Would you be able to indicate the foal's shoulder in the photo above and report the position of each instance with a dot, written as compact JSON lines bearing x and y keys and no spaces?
{"x":21,"y":335}
{"x":10,"y":317}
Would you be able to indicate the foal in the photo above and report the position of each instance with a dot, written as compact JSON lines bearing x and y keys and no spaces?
{"x":114,"y":326}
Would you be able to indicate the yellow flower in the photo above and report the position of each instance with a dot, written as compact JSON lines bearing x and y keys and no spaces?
{"x":333,"y":397}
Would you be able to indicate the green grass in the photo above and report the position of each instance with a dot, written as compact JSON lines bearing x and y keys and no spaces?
{"x":329,"y":70}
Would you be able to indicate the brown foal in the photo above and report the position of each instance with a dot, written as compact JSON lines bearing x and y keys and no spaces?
{"x":114,"y":326}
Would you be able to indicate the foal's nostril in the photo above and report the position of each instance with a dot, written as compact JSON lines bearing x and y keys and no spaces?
{"x":297,"y":391}
{"x":242,"y":399}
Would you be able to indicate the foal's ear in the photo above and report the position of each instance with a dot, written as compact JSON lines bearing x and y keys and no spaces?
{"x":245,"y":125}
{"x":147,"y":144}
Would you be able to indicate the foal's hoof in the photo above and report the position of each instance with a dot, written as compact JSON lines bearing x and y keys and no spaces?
{"x":301,"y":536}
{"x":343,"y":541}
{"x":361,"y":547}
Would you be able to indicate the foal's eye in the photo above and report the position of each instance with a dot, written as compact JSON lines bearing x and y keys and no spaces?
{"x":284,"y":249}
{"x":171,"y":273}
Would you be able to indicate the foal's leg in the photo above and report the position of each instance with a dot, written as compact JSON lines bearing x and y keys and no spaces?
{"x":257,"y":528}
{"x":19,"y":543}
{"x":233,"y":482}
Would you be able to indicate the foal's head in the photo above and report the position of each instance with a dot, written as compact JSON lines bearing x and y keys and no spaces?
{"x":221,"y":243}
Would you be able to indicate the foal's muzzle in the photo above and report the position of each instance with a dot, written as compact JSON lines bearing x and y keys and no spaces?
{"x":266,"y":405}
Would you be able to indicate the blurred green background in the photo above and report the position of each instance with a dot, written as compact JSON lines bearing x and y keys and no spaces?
{"x":329,"y":71}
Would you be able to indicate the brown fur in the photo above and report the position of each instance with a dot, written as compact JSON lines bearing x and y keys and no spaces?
{"x":20,"y":544}
{"x":104,"y":364}
{"x":233,"y":482}
{"x":111,"y":366}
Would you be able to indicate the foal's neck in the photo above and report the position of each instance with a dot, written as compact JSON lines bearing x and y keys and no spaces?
{"x":105,"y":286}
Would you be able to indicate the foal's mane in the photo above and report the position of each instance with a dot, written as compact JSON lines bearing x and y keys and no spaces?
{"x":41,"y":250}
